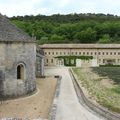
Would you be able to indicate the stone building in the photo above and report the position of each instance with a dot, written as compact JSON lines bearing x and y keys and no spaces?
{"x":101,"y":54}
{"x":17,"y":60}
{"x":39,"y":62}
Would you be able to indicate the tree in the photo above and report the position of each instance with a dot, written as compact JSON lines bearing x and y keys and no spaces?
{"x":86,"y":36}
{"x":105,"y":39}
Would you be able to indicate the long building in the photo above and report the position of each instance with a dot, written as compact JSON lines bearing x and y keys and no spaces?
{"x":99,"y":54}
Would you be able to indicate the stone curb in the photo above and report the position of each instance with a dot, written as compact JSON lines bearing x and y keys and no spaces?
{"x":52,"y":114}
{"x":85,"y":101}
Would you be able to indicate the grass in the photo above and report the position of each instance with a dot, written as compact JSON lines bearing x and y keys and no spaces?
{"x":102,"y":84}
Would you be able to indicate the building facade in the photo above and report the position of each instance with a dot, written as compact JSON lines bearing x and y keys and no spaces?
{"x":102,"y":54}
{"x":39,"y":62}
{"x":17,"y":61}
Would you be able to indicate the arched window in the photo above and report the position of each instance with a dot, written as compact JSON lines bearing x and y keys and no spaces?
{"x":21,"y":71}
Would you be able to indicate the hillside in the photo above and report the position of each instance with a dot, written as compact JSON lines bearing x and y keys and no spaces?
{"x":71,"y":28}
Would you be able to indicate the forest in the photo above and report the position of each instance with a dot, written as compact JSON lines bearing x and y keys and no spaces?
{"x":71,"y":28}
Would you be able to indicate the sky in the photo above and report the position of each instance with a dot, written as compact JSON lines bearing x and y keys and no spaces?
{"x":49,"y":7}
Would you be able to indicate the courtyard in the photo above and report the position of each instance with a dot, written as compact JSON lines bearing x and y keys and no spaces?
{"x":34,"y":106}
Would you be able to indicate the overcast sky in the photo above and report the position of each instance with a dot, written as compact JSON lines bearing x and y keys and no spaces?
{"x":49,"y":7}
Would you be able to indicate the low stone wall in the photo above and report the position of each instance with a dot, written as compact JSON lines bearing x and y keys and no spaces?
{"x":95,"y":108}
{"x":52,"y":114}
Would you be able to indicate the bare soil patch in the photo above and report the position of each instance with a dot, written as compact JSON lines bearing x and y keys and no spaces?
{"x":34,"y":106}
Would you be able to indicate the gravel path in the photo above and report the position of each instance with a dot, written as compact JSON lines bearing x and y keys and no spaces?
{"x":35,"y":106}
{"x":68,"y":107}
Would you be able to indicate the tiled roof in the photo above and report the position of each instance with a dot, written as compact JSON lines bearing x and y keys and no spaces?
{"x":9,"y":32}
{"x":86,"y":46}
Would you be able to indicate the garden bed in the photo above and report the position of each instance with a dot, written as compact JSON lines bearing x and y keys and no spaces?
{"x":102,"y":85}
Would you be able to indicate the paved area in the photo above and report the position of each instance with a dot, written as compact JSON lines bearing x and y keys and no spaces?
{"x":69,"y":107}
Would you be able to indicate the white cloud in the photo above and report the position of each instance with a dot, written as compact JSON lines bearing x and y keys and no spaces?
{"x":28,"y":7}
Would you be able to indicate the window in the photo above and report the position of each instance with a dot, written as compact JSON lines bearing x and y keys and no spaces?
{"x":87,"y":53}
{"x":56,"y":53}
{"x":99,"y":60}
{"x":51,"y":60}
{"x":49,"y":53}
{"x":47,"y":60}
{"x":118,"y":53}
{"x":79,"y":53}
{"x":21,"y":71}
{"x":99,"y":53}
{"x":106,"y":53}
{"x":110,"y":53}
{"x":53,"y":53}
{"x":103,"y":53}
{"x":103,"y":60}
{"x":114,"y":53}
{"x":95,"y":53}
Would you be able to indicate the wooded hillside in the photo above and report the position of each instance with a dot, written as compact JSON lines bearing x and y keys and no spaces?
{"x":71,"y":28}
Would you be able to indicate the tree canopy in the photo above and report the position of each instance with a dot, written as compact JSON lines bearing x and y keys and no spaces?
{"x":71,"y":28}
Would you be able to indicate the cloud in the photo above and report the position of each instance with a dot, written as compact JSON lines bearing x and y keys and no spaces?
{"x":48,"y":7}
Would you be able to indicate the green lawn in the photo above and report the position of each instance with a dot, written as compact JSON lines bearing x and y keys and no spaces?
{"x":102,"y":84}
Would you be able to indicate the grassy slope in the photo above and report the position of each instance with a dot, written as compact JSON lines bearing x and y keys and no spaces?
{"x":103,"y":84}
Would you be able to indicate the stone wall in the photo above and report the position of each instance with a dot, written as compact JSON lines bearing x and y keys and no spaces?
{"x":12,"y":54}
{"x":39,"y":62}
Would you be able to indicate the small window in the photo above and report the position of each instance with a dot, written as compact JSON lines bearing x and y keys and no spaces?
{"x":21,"y":72}
{"x":99,"y":60}
{"x":106,"y":53}
{"x":114,"y":53}
{"x":103,"y":53}
{"x":47,"y":60}
{"x":103,"y":60}
{"x":51,"y":60}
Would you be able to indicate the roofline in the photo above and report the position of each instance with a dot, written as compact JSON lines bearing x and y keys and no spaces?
{"x":80,"y":46}
{"x":18,"y":42}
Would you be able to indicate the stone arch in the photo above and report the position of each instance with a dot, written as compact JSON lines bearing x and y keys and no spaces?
{"x":21,"y":71}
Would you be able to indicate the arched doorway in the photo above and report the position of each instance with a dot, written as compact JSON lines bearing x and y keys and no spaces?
{"x":21,"y":71}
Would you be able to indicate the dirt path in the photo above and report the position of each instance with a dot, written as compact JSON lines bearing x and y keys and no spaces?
{"x":34,"y":106}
